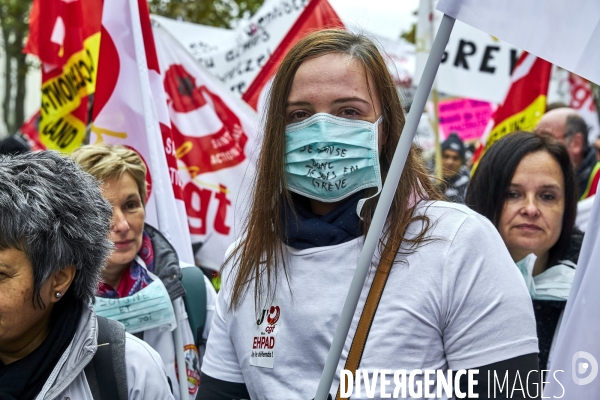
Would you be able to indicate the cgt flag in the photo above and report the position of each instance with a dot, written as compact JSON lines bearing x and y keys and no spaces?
{"x":130,"y":109}
{"x":565,"y":33}
{"x":524,"y":104}
{"x":65,"y":36}
{"x":214,"y":133}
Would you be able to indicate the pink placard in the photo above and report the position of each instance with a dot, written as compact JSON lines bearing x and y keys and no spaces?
{"x":467,"y":117}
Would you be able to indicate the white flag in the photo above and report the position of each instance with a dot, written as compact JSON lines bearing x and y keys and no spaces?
{"x":130,"y":109}
{"x":565,"y":33}
{"x":574,"y":358}
{"x":475,"y":64}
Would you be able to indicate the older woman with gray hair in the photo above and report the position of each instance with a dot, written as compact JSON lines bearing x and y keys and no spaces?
{"x":54,"y":226}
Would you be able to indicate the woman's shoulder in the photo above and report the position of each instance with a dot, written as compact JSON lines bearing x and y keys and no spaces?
{"x":137,"y":352}
{"x":459,"y":241}
{"x":145,"y":370}
{"x":447,"y":219}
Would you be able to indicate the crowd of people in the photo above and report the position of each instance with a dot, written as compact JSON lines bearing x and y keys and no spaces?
{"x":478,"y":265}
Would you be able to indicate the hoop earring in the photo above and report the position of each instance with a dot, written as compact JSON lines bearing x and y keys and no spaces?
{"x":58,"y":295}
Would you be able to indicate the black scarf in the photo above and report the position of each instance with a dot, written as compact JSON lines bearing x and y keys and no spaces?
{"x":311,"y":230}
{"x":25,"y":378}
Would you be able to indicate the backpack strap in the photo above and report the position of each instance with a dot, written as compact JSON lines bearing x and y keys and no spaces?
{"x":368,"y":313}
{"x":194,"y":300}
{"x":106,"y":373}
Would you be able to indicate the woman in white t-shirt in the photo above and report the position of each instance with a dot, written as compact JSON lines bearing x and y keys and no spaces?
{"x":453,"y":300}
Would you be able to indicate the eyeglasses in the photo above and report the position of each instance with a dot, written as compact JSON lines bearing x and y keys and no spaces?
{"x":565,"y":136}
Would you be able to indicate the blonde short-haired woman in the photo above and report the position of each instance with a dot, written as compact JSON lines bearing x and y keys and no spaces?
{"x":142,"y":261}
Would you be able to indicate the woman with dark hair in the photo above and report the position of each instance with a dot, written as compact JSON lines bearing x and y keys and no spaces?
{"x":334,"y":120}
{"x":525,"y":185}
{"x":54,"y":226}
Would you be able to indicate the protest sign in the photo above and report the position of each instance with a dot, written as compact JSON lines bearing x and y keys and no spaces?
{"x":65,"y":35}
{"x":564,"y":33}
{"x":475,"y":64}
{"x":214,"y":134}
{"x":130,"y":109}
{"x":467,"y":117}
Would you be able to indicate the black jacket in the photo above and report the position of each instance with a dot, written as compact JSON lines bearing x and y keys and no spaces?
{"x":585,"y":170}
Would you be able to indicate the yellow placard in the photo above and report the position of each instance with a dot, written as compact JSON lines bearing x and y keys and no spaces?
{"x":62,"y":95}
{"x":62,"y":132}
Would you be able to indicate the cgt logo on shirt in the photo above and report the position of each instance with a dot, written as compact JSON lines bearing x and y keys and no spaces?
{"x":262,"y":353}
{"x":272,"y":317}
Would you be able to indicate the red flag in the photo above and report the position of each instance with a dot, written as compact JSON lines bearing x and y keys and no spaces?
{"x":30,"y":131}
{"x":65,"y":36}
{"x":524,"y":104}
{"x":318,"y":14}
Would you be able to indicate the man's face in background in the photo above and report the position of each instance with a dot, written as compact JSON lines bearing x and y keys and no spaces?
{"x":451,"y":163}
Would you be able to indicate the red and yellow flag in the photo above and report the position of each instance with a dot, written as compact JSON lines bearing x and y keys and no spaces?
{"x":65,"y":36}
{"x":592,"y":185}
{"x":524,"y":104}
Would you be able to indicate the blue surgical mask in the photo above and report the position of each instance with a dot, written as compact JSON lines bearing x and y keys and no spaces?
{"x":552,"y":284}
{"x":147,"y":309}
{"x":328,"y":158}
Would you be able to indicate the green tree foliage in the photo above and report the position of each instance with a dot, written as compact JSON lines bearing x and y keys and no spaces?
{"x":219,"y":13}
{"x":14,"y":20}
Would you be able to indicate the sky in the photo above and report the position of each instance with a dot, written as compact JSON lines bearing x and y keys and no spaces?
{"x":383,"y":17}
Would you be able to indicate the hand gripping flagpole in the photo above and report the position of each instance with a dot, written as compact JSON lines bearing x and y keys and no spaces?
{"x":383,"y":206}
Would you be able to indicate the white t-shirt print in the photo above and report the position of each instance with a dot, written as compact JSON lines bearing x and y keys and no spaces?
{"x":458,"y":302}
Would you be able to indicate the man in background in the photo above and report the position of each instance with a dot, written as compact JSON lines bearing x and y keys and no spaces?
{"x":566,"y":126}
{"x":456,"y":175}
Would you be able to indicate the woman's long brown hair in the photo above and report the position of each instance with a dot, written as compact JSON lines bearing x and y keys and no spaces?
{"x":258,"y":259}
